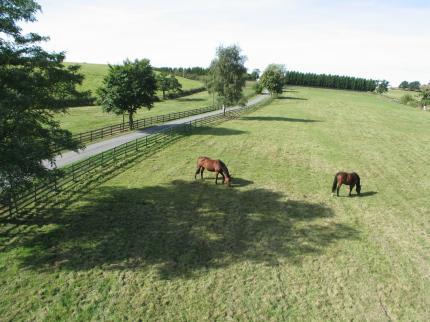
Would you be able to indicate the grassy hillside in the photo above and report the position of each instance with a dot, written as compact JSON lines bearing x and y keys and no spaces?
{"x":396,"y":93}
{"x":94,"y":74}
{"x":154,"y":244}
{"x":80,"y":119}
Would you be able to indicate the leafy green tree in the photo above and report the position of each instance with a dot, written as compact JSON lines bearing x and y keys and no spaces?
{"x":404,"y":85}
{"x":228,"y":76}
{"x":129,"y":87}
{"x":34,"y":84}
{"x":425,"y":96}
{"x":255,"y":74}
{"x":273,"y":78}
{"x":174,"y":85}
{"x":382,"y":86}
{"x":414,"y":86}
{"x":163,"y":83}
{"x":258,"y":88}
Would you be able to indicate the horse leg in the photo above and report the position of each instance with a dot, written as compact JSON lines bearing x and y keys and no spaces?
{"x":338,"y":187}
{"x":216,"y":178}
{"x":350,"y":189}
{"x":223,"y":178}
{"x":197,"y":172}
{"x":201,"y":172}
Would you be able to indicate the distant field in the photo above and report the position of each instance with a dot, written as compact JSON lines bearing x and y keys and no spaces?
{"x":81,"y":119}
{"x":156,"y":245}
{"x":94,"y":74}
{"x":396,"y":93}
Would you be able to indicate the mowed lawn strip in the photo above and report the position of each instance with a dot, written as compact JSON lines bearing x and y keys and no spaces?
{"x":86,"y":118}
{"x":154,"y":244}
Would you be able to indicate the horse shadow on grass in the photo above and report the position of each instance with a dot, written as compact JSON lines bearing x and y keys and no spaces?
{"x":180,"y":229}
{"x":365,"y":194}
{"x":235,"y":182}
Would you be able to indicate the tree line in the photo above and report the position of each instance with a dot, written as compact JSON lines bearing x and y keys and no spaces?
{"x":412,"y":86}
{"x":330,"y":81}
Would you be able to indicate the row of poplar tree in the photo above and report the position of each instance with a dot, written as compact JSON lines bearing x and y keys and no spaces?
{"x":330,"y":81}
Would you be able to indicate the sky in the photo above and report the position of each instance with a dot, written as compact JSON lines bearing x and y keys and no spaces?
{"x":372,"y":39}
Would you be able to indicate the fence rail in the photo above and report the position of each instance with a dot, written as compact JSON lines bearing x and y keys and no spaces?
{"x":81,"y":170}
{"x":111,"y":130}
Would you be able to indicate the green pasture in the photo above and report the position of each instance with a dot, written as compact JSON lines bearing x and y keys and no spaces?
{"x":94,"y":74}
{"x":152,"y":243}
{"x":397,"y":93}
{"x":81,"y":119}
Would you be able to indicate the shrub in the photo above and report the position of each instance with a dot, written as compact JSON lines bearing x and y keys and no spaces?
{"x":408,"y":99}
{"x":258,"y":88}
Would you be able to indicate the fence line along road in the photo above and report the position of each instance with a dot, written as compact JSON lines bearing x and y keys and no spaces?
{"x":111,"y":130}
{"x":95,"y":165}
{"x":70,"y":157}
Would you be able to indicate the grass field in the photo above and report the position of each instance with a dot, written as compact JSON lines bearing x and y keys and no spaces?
{"x":153,"y":244}
{"x":94,"y":74}
{"x":396,"y":93}
{"x":81,"y":119}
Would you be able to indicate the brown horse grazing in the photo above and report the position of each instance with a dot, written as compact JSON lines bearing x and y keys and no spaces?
{"x":351,"y":179}
{"x":214,"y":166}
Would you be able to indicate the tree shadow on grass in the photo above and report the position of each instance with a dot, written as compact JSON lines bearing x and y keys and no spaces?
{"x":291,"y":98}
{"x":277,"y":118}
{"x":190,"y":99}
{"x":217,"y":131}
{"x":180,"y":229}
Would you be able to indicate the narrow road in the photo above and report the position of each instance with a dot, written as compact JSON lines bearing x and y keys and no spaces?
{"x":96,"y":148}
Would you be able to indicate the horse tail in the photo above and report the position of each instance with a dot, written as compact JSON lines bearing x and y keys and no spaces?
{"x":333,"y":188}
{"x":224,"y":168}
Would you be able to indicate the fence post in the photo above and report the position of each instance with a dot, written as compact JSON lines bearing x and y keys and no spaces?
{"x":102,"y":133}
{"x":73,"y":173}
{"x":35,"y":195}
{"x":146,"y":141}
{"x":136,"y":146}
{"x":111,"y":130}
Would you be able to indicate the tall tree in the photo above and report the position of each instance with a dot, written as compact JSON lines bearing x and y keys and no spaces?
{"x":174,"y":85}
{"x":128,"y":87}
{"x":382,"y":86}
{"x":34,"y":84}
{"x":425,"y":96}
{"x":414,"y":86}
{"x":163,"y":83}
{"x":273,"y":78}
{"x":404,"y":85}
{"x":228,"y":75}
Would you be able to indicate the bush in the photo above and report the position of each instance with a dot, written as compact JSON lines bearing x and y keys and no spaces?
{"x":258,"y":88}
{"x":408,"y":99}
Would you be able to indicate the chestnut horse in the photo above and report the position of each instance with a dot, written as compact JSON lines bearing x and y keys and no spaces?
{"x":351,"y":179}
{"x":214,"y":166}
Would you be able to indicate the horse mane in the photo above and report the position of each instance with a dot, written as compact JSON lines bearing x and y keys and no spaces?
{"x":224,"y":168}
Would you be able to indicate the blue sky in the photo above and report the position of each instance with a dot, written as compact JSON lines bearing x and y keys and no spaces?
{"x":375,"y":39}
